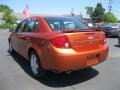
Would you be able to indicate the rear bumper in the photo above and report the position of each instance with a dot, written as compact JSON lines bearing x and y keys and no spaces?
{"x":66,"y":60}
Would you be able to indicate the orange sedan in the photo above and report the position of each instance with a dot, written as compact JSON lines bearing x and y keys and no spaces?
{"x":59,"y":44}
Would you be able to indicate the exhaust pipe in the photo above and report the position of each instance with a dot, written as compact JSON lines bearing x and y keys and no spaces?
{"x":68,"y":72}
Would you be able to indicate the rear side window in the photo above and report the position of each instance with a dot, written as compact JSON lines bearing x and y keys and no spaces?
{"x":31,"y":26}
{"x":64,"y":23}
{"x":20,"y":27}
{"x":27,"y":26}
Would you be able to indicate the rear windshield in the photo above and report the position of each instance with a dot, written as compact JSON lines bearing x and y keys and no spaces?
{"x":64,"y":23}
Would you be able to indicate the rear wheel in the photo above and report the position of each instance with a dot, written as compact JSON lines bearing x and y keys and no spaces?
{"x":35,"y":65}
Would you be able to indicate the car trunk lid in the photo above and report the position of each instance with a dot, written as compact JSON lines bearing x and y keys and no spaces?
{"x":86,"y":40}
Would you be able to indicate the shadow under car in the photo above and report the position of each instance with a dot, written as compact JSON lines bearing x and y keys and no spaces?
{"x":57,"y":80}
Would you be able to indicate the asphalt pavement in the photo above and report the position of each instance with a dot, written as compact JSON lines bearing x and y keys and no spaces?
{"x":15,"y":72}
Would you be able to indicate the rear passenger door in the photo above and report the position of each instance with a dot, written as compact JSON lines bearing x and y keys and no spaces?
{"x":26,"y":40}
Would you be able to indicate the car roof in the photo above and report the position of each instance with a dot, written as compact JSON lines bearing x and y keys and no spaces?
{"x":51,"y":16}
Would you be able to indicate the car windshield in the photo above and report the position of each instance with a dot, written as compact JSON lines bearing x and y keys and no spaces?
{"x":64,"y":23}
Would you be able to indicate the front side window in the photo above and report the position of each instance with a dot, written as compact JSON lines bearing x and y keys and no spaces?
{"x":64,"y":23}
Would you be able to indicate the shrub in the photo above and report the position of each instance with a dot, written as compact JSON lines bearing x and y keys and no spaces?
{"x":7,"y":25}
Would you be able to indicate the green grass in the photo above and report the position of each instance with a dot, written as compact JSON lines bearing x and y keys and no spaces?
{"x":7,"y":26}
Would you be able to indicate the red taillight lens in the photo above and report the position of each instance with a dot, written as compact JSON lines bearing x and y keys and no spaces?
{"x":104,"y":41}
{"x":60,"y":42}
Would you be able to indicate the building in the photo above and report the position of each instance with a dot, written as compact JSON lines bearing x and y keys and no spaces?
{"x":19,"y":16}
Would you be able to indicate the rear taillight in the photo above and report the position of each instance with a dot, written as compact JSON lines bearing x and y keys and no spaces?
{"x":104,"y":41}
{"x":60,"y":42}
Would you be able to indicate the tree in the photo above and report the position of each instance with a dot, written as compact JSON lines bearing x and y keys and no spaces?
{"x":8,"y":16}
{"x":89,"y":11}
{"x":110,"y":17}
{"x":4,"y":8}
{"x":97,"y":15}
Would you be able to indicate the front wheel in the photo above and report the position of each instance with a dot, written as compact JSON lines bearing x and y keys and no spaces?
{"x":35,"y":65}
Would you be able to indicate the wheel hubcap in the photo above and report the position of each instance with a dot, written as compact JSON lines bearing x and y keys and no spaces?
{"x":34,"y":64}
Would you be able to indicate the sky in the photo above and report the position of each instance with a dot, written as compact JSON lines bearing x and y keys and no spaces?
{"x":60,"y":7}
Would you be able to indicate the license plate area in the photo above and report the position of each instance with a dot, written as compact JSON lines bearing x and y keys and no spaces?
{"x":93,"y":59}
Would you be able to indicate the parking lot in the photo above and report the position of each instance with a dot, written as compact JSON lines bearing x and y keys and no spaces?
{"x":15,"y":72}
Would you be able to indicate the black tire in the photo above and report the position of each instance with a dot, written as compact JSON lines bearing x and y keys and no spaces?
{"x":119,"y":38}
{"x":108,"y":36}
{"x":118,"y":34}
{"x":36,"y":69}
{"x":11,"y":50}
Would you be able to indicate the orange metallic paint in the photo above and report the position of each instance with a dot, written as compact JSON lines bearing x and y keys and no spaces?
{"x":60,"y":59}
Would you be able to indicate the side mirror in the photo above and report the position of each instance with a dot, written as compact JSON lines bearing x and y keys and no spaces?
{"x":12,"y":30}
